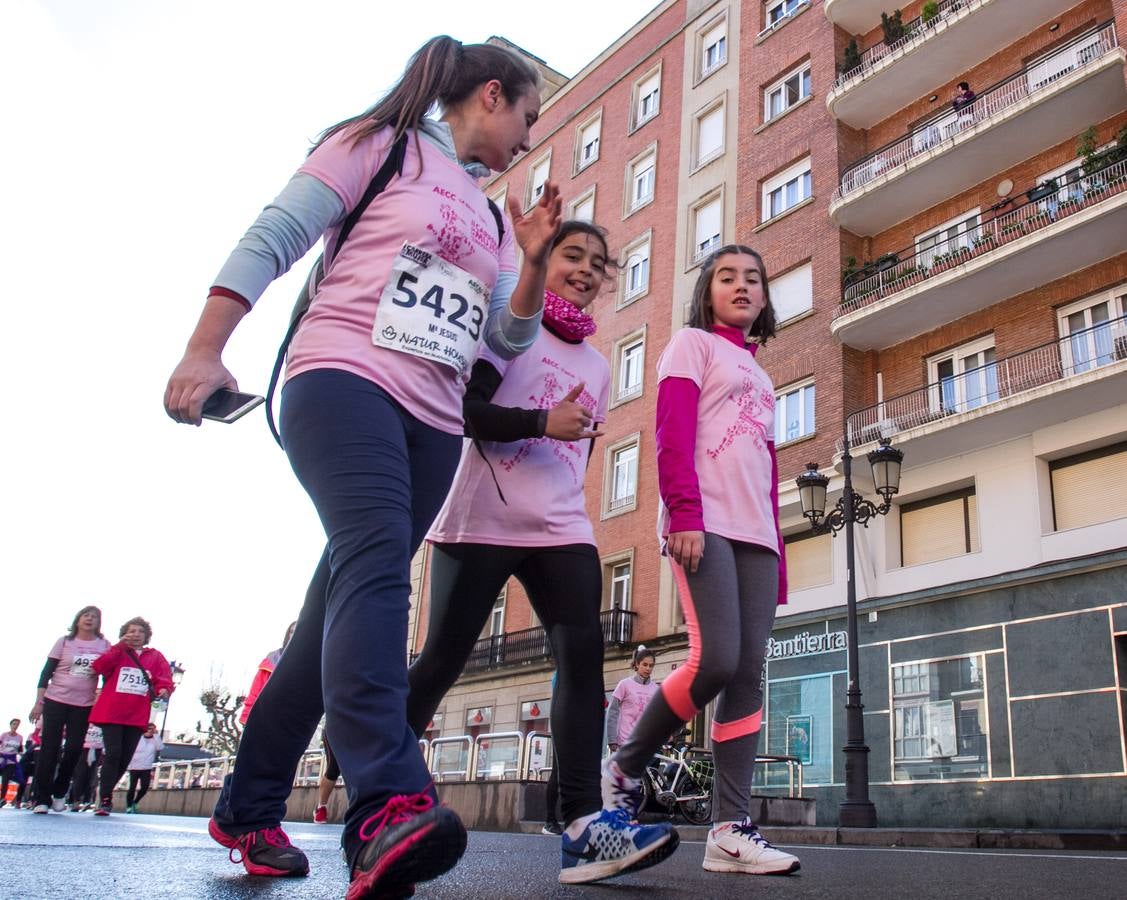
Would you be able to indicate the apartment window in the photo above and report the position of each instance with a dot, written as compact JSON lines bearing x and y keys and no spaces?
{"x":939,"y":528}
{"x":714,"y":48}
{"x":950,"y":237}
{"x":784,"y":94}
{"x":809,"y":560}
{"x":622,"y":476}
{"x":501,"y":197}
{"x":636,"y":269}
{"x":629,"y":365}
{"x":794,"y":413}
{"x":1089,"y":488}
{"x":709,"y":134}
{"x":964,"y":378}
{"x":777,"y":10}
{"x":786,"y":189}
{"x":496,"y":624}
{"x":640,"y":180}
{"x":537,"y":178}
{"x":799,"y":723}
{"x":792,"y":293}
{"x":647,"y":98}
{"x":617,"y":581}
{"x":939,"y":720}
{"x":708,"y":220}
{"x":583,"y":207}
{"x":587,"y":143}
{"x":1094,"y":331}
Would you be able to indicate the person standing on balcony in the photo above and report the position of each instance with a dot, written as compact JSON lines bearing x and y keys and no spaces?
{"x":964,"y":97}
{"x":631,"y":697}
{"x":516,"y":508}
{"x":371,"y":420}
{"x":718,"y":479}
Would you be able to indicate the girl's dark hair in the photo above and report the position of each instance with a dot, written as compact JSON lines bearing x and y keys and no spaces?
{"x":640,"y":653}
{"x":137,"y":620}
{"x":579,"y":226}
{"x":78,"y":615}
{"x":700,"y":307}
{"x":445,"y":72}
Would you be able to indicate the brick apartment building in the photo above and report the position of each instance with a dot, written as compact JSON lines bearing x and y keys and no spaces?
{"x":950,"y":275}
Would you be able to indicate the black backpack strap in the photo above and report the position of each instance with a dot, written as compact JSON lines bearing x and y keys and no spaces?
{"x":391,"y":167}
{"x":493,"y":208}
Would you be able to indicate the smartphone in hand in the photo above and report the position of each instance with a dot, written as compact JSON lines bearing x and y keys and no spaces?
{"x":227,"y":406}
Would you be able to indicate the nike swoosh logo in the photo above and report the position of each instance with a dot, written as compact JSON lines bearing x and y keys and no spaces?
{"x":735,"y":854}
{"x":590,"y":854}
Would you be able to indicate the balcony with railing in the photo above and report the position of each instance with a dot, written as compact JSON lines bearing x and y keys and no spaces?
{"x":959,"y":36}
{"x":1083,"y":372}
{"x":857,"y":16}
{"x":531,"y":645}
{"x":1041,"y":105}
{"x":1080,"y":222}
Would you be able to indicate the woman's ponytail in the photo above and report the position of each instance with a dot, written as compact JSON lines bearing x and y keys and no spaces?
{"x":442,"y":72}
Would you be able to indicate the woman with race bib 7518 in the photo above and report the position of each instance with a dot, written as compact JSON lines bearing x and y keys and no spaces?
{"x":371,"y":420}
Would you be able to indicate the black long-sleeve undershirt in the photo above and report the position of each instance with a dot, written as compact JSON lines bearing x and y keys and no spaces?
{"x":485,"y":421}
{"x":48,"y":670}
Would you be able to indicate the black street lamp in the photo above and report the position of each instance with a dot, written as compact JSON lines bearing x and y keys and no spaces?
{"x":856,"y":810}
{"x":177,"y":677}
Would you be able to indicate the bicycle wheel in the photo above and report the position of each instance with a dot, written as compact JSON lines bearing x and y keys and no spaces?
{"x":697,"y":786}
{"x":697,"y":811}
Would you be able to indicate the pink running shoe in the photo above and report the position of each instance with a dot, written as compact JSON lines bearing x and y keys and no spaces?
{"x":267,"y":851}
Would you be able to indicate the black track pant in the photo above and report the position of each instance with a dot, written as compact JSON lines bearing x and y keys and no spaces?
{"x":139,"y":781}
{"x":121,"y":742}
{"x":56,"y":765}
{"x":564,"y":585}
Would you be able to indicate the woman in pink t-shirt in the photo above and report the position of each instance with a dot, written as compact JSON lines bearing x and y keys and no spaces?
{"x":718,"y":480}
{"x":371,"y":420}
{"x":64,"y":698}
{"x":631,"y":697}
{"x":517,"y":509}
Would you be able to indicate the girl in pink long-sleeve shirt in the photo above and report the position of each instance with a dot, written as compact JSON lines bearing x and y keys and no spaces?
{"x":717,"y":477}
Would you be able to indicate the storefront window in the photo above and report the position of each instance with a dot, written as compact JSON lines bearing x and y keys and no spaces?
{"x":939,"y":720}
{"x":799,"y":723}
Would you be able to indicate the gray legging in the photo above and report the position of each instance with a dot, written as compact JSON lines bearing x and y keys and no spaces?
{"x":729,"y":605}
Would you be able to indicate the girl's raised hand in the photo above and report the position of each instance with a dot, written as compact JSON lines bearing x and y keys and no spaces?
{"x":569,"y":420}
{"x":686,"y":548}
{"x":536,"y":229}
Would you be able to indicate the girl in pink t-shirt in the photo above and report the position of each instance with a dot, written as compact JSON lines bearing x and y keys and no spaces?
{"x":65,"y":696}
{"x":719,"y":526}
{"x":631,"y":697}
{"x":516,"y":509}
{"x":371,"y":420}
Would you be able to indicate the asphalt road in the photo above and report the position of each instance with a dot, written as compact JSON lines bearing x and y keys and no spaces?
{"x":74,"y":855}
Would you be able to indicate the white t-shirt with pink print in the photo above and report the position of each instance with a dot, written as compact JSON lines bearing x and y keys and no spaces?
{"x":735,"y":421}
{"x":542,"y":478}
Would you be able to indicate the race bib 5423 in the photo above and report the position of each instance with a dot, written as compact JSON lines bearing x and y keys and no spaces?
{"x":431,"y":309}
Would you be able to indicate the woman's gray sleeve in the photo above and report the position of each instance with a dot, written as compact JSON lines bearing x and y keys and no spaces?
{"x":280,"y":236}
{"x":508,"y":335}
{"x":612,"y":720}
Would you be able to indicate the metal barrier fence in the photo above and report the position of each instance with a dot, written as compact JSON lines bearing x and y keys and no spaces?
{"x":1084,"y":51}
{"x":498,"y":756}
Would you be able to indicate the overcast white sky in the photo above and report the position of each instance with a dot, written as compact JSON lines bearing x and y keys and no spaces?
{"x":140,"y":138}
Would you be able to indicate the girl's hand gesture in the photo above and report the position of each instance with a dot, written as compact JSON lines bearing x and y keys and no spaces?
{"x":536,"y":229}
{"x":569,"y":420}
{"x":686,"y":548}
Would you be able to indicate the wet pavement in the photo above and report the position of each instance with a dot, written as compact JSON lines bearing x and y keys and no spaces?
{"x":74,"y":855}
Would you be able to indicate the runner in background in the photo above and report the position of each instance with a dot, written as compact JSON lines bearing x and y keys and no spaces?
{"x":11,"y":746}
{"x":135,"y":675}
{"x":141,"y":767}
{"x":371,"y":420}
{"x":85,"y":779}
{"x":631,"y":697}
{"x":265,"y":670}
{"x":64,"y":699}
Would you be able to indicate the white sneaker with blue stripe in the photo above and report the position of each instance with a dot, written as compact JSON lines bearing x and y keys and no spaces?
{"x":611,"y":844}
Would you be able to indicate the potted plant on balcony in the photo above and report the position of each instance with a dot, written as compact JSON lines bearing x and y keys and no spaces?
{"x":1043,"y":190}
{"x":892,"y":26}
{"x":1012,"y":230}
{"x":929,"y":12}
{"x":940,"y":262}
{"x":985,"y":243}
{"x":851,"y":58}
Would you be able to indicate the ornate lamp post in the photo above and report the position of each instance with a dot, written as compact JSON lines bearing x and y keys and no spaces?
{"x":856,"y":811}
{"x":177,"y":677}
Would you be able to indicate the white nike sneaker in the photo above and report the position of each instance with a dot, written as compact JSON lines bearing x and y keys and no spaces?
{"x":739,"y":847}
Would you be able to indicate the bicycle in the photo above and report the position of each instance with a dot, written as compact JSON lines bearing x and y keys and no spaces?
{"x":679,"y":779}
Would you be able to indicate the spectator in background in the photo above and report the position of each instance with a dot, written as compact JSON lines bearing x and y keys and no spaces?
{"x":631,"y":697}
{"x":86,"y":772}
{"x":141,"y":767}
{"x":265,"y":670}
{"x":964,"y":97}
{"x":25,"y":771}
{"x":11,"y":743}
